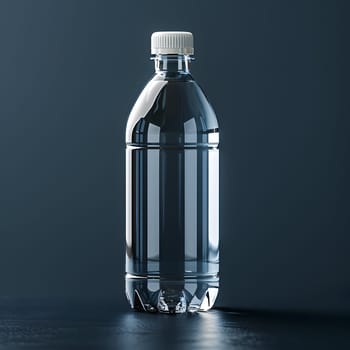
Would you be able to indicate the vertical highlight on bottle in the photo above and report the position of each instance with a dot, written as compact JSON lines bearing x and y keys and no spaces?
{"x":172,"y":187}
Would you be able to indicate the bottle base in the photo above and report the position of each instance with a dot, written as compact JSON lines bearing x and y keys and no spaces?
{"x":169,"y":296}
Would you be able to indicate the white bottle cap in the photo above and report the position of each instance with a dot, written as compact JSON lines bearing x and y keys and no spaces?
{"x":180,"y":43}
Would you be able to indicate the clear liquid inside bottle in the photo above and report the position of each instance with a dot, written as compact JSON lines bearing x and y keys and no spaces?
{"x":172,"y":194}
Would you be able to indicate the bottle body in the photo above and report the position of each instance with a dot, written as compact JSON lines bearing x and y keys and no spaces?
{"x":172,"y":197}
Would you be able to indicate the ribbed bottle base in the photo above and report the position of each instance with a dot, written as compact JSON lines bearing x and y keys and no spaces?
{"x":153,"y":294}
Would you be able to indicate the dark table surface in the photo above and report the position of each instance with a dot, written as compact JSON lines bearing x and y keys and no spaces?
{"x":96,"y":325}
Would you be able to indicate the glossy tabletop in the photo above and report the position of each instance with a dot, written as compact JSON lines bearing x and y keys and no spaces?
{"x":96,"y":325}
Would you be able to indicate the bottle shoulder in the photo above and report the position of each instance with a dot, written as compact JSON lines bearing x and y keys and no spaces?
{"x":171,"y":110}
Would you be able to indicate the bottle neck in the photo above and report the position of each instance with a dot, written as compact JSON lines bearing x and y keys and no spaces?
{"x":172,"y":63}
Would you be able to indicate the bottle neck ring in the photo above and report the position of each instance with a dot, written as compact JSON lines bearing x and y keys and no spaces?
{"x":172,"y":63}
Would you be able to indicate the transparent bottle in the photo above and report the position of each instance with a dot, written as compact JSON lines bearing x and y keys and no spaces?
{"x":172,"y":187}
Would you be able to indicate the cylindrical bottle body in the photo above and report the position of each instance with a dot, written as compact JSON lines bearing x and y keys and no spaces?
{"x":172,"y":202}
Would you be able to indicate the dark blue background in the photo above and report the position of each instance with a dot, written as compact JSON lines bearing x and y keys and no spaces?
{"x":277,"y":73}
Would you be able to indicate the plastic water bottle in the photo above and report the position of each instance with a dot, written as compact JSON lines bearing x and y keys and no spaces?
{"x":172,"y":187}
